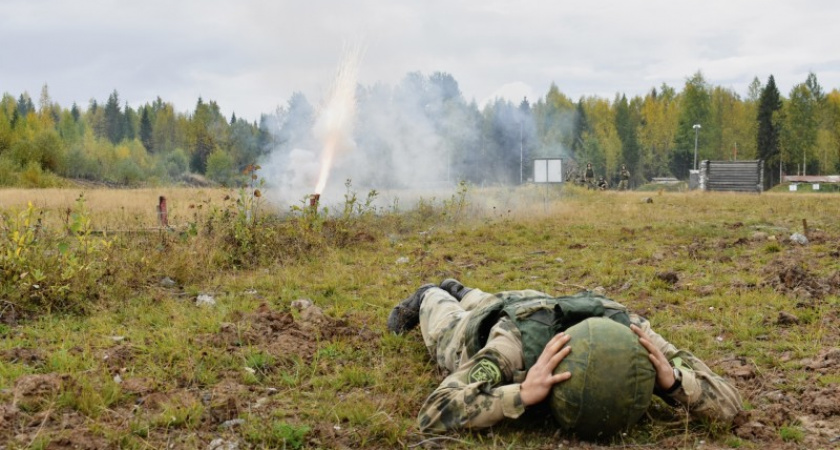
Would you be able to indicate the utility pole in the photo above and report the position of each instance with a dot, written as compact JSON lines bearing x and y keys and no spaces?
{"x":521,"y":145}
{"x":696,"y":129}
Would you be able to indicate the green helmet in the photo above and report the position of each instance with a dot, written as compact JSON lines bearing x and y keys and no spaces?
{"x":612,"y":380}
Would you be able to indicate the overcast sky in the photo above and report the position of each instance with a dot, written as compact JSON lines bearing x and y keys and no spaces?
{"x":250,"y":55}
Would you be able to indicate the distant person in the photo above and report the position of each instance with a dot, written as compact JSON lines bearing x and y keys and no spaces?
{"x":624,"y":184}
{"x":603,"y":184}
{"x":501,"y":351}
{"x":589,"y":176}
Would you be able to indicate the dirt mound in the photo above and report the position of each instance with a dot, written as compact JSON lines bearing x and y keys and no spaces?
{"x":282,"y":335}
{"x":812,"y":407}
{"x":118,"y":356}
{"x":793,"y":278}
{"x":32,"y":357}
{"x":78,"y":440}
{"x":275,"y":331}
{"x":33,"y":392}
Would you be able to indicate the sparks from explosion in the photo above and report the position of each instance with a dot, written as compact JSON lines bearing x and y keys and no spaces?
{"x":334,"y":126}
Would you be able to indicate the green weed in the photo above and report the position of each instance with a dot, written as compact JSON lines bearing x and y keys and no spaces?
{"x":277,"y":434}
{"x":179,"y":413}
{"x":791,"y":433}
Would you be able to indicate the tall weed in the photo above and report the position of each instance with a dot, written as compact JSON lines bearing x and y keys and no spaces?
{"x":45,"y":268}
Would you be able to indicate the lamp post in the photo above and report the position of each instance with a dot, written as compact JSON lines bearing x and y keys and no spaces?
{"x":696,"y":129}
{"x":521,"y":160}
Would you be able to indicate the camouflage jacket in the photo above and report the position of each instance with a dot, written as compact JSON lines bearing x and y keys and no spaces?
{"x":485,"y":388}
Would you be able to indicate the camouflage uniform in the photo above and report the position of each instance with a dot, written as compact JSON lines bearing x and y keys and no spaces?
{"x":589,"y":177}
{"x":624,"y":184}
{"x":483,"y":388}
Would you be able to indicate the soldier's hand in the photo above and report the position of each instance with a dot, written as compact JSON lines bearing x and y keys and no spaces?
{"x":541,"y":376}
{"x":664,"y":372}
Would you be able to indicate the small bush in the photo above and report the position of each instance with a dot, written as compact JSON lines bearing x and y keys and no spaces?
{"x":47,"y":269}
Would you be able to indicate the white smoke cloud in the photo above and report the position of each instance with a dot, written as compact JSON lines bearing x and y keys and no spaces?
{"x":397,"y":145}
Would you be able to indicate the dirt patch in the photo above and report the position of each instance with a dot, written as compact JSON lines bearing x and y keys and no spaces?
{"x":793,"y":278}
{"x":280,"y":334}
{"x":827,"y":360}
{"x":813,"y":409}
{"x":226,"y":401}
{"x":668,"y":276}
{"x":271,"y":330}
{"x":29,"y":356}
{"x":34,"y":392}
{"x":137,"y":386}
{"x":78,"y":440}
{"x":736,"y":368}
{"x":824,"y":403}
{"x":8,"y":415}
{"x":118,"y":356}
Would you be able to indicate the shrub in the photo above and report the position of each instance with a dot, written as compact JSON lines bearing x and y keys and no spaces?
{"x":46,"y":269}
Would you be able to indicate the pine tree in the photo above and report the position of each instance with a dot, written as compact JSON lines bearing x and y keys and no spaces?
{"x":130,"y":123}
{"x":580,"y":129}
{"x":767,"y":138}
{"x":24,"y":105}
{"x":146,"y":130}
{"x":114,"y":121}
{"x":626,"y":127}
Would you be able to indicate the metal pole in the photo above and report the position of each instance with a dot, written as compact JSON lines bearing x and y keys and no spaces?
{"x":521,"y":153}
{"x":696,"y":129}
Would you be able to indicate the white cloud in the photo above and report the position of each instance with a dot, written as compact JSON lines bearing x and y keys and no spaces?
{"x":250,"y":55}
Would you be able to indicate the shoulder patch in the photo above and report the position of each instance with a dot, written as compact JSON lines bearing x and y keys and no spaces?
{"x":486,"y":370}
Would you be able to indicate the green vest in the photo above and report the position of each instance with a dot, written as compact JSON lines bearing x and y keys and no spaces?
{"x":539,"y":317}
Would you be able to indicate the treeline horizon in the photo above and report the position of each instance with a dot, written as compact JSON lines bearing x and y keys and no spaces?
{"x":425,"y":122}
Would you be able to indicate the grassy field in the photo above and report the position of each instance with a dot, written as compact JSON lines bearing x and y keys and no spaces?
{"x":110,"y":340}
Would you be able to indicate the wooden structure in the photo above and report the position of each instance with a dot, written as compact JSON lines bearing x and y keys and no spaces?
{"x":737,"y":176}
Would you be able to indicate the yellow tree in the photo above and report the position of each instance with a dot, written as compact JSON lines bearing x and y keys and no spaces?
{"x":554,"y":119}
{"x":733,"y":126}
{"x":660,"y":113}
{"x":829,"y":138}
{"x":602,"y":143}
{"x":164,"y":131}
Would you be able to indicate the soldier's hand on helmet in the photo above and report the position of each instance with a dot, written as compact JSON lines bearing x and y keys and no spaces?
{"x":541,"y":376}
{"x":664,"y":372}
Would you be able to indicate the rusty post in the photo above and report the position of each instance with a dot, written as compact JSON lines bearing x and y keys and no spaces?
{"x":314,"y":199}
{"x":805,"y":227}
{"x":163,"y":217}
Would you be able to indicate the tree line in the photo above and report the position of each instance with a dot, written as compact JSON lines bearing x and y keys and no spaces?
{"x":654,"y":135}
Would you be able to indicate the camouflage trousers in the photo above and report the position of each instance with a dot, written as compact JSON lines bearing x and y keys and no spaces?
{"x":443,"y":322}
{"x":623,"y":185}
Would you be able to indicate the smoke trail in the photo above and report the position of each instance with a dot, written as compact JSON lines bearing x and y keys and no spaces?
{"x":334,"y":126}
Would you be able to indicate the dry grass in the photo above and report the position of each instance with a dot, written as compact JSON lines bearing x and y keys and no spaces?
{"x":116,"y":209}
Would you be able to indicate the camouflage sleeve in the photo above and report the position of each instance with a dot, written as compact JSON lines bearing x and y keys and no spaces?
{"x":705,"y":394}
{"x":482,"y":391}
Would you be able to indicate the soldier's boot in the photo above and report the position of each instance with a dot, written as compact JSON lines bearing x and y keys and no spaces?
{"x":454,"y":288}
{"x":406,"y":315}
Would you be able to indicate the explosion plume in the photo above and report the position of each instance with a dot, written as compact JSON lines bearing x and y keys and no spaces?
{"x":334,"y":126}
